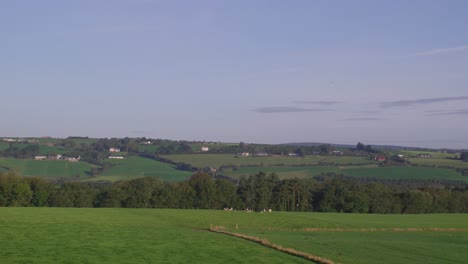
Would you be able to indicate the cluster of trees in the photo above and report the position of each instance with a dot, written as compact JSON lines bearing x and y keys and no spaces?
{"x":256,"y":192}
{"x":464,"y":156}
{"x":20,"y":151}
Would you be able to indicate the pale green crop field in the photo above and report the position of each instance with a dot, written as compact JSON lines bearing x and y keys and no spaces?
{"x":72,"y":235}
{"x":132,"y":167}
{"x":434,"y":154}
{"x":216,"y":160}
{"x":439,"y":162}
{"x":46,"y":168}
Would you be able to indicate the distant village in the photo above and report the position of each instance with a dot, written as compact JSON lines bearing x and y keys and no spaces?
{"x":114,"y":153}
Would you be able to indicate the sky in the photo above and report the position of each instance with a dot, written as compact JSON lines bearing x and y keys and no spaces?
{"x":378,"y":72}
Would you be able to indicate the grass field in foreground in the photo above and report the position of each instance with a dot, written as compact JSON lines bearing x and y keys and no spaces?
{"x":216,"y":160}
{"x":46,"y":168}
{"x":132,"y":167}
{"x":59,"y":235}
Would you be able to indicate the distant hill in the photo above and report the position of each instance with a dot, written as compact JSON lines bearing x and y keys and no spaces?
{"x":390,"y":147}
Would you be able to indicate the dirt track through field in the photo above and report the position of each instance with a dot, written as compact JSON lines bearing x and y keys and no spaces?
{"x":266,"y":243}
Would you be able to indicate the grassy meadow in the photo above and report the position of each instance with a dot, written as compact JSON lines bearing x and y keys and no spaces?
{"x":369,"y":171}
{"x":46,"y":168}
{"x":132,"y":167}
{"x":414,"y":173}
{"x":217,"y":160}
{"x":67,"y":235}
{"x":283,"y":172}
{"x":436,"y":162}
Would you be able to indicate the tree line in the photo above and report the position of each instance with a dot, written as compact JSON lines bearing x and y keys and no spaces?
{"x":257,"y":192}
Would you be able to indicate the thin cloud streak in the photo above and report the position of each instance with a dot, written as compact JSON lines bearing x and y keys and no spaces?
{"x":315,"y":102}
{"x":405,"y":103}
{"x":286,"y":109}
{"x":440,"y":51}
{"x":364,"y":119}
{"x":448,"y":113}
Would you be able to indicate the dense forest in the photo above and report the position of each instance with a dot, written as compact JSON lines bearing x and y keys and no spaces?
{"x":257,"y":192}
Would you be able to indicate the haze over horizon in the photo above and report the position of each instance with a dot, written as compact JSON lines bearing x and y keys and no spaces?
{"x":378,"y":72}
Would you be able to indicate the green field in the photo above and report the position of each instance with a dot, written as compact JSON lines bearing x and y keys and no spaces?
{"x":43,"y":149}
{"x":416,"y":173}
{"x":439,"y":162}
{"x":369,"y":171}
{"x":66,"y":235}
{"x":46,"y":168}
{"x":217,"y":160}
{"x":132,"y":167}
{"x":283,"y":172}
{"x":434,"y":154}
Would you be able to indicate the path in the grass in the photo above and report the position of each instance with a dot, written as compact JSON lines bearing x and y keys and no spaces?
{"x":266,"y":243}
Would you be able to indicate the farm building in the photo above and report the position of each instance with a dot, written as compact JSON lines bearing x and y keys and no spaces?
{"x":337,"y":153}
{"x":116,"y":157}
{"x":261,"y":154}
{"x":204,"y":149}
{"x":40,"y":157}
{"x":114,"y":150}
{"x":380,"y":158}
{"x":424,"y":155}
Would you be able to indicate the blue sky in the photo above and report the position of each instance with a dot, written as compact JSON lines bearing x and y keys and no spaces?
{"x":379,"y":72}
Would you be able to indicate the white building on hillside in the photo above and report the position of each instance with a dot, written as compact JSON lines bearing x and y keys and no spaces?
{"x":116,"y":157}
{"x":204,"y":149}
{"x":114,"y":150}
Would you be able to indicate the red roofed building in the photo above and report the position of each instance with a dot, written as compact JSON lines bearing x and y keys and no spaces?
{"x":380,"y":158}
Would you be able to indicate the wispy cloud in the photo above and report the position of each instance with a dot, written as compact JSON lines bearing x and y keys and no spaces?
{"x":445,"y":113}
{"x":315,"y":102}
{"x":440,"y":51}
{"x":405,"y":103}
{"x":286,"y":109}
{"x":364,"y":119}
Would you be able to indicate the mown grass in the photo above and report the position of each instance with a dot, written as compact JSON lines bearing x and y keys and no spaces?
{"x":57,"y":235}
{"x":46,"y":168}
{"x":67,"y":235}
{"x":132,"y":167}
{"x":217,"y":160}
